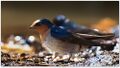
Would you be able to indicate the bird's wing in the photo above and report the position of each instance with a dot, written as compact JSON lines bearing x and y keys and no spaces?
{"x":63,"y":35}
{"x":96,"y":40}
{"x":87,"y":39}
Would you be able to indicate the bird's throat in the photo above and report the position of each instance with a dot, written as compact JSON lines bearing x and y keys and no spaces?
{"x":43,"y":30}
{"x":43,"y":36}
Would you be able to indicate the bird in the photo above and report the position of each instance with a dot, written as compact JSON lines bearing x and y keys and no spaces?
{"x":58,"y":39}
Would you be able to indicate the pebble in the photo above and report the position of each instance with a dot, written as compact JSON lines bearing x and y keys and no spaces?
{"x":76,"y":55}
{"x":64,"y":57}
{"x":84,"y":54}
{"x":43,"y":54}
{"x":92,"y":55}
{"x":36,"y":60}
{"x":99,"y":52}
{"x":22,"y":55}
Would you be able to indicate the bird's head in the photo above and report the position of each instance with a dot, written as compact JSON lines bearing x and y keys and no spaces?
{"x":41,"y":25}
{"x":59,"y":20}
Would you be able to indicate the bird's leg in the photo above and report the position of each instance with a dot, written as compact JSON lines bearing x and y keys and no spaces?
{"x":70,"y":57}
{"x":57,"y":57}
{"x":55,"y":54}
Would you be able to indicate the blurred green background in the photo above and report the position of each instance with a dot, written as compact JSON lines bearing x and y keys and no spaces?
{"x":17,"y":16}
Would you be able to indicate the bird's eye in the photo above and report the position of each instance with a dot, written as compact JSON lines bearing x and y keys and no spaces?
{"x":38,"y":24}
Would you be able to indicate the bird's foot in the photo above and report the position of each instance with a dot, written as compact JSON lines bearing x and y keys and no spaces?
{"x":56,"y":57}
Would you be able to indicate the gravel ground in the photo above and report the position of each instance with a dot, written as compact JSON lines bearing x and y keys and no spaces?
{"x":90,"y":57}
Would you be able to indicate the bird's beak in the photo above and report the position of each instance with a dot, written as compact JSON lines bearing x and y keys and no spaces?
{"x":32,"y":26}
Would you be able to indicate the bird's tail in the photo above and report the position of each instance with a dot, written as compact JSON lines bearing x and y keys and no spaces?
{"x":87,"y":36}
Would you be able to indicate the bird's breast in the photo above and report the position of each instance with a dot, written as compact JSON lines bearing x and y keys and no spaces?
{"x":55,"y":45}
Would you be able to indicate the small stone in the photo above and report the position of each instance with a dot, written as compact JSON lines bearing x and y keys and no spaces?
{"x":77,"y":59}
{"x":93,"y":48}
{"x":36,"y":60}
{"x":92,"y":54}
{"x":82,"y":59}
{"x":65,"y":57}
{"x":44,"y":53}
{"x":13,"y":56}
{"x":76,"y":55}
{"x":23,"y":55}
{"x":46,"y":59}
{"x":99,"y":52}
{"x":85,"y":54}
{"x":110,"y":63}
{"x":56,"y":59}
{"x":90,"y":51}
{"x":98,"y":48}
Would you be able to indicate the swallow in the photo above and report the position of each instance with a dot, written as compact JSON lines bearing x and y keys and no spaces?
{"x":105,"y":40}
{"x":62,"y":40}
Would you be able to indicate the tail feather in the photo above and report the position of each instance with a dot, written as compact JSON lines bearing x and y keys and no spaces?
{"x":87,"y":36}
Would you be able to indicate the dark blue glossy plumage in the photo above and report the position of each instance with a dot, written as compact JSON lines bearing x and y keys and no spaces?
{"x":59,"y":32}
{"x":44,"y":22}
